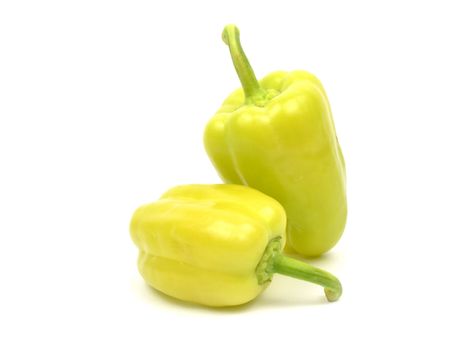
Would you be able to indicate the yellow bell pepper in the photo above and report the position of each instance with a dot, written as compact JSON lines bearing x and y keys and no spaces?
{"x":217,"y":245}
{"x":278,"y":136}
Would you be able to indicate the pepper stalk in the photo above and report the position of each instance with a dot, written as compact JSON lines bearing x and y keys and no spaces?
{"x":254,"y":93}
{"x":273,"y":261}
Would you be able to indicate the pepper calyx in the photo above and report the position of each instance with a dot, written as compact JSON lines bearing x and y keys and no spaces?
{"x":265,"y":268}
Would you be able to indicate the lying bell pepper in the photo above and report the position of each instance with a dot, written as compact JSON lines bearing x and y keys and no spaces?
{"x":217,"y":245}
{"x":278,"y":136}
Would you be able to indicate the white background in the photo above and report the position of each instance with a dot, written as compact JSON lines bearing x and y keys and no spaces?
{"x":102,"y":108}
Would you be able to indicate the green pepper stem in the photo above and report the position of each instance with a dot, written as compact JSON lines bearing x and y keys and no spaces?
{"x":253,"y":91}
{"x":298,"y":269}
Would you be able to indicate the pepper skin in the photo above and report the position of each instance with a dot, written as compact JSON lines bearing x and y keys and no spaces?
{"x":217,"y":245}
{"x":278,"y":136}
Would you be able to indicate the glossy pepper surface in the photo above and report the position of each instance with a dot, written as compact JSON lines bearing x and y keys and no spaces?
{"x":217,"y":245}
{"x":278,"y":136}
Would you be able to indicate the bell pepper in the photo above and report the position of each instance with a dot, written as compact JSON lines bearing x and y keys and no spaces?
{"x":217,"y":245}
{"x":278,"y":136}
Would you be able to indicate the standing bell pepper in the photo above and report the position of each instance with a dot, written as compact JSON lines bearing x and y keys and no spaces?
{"x":277,"y":135}
{"x":217,"y":245}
